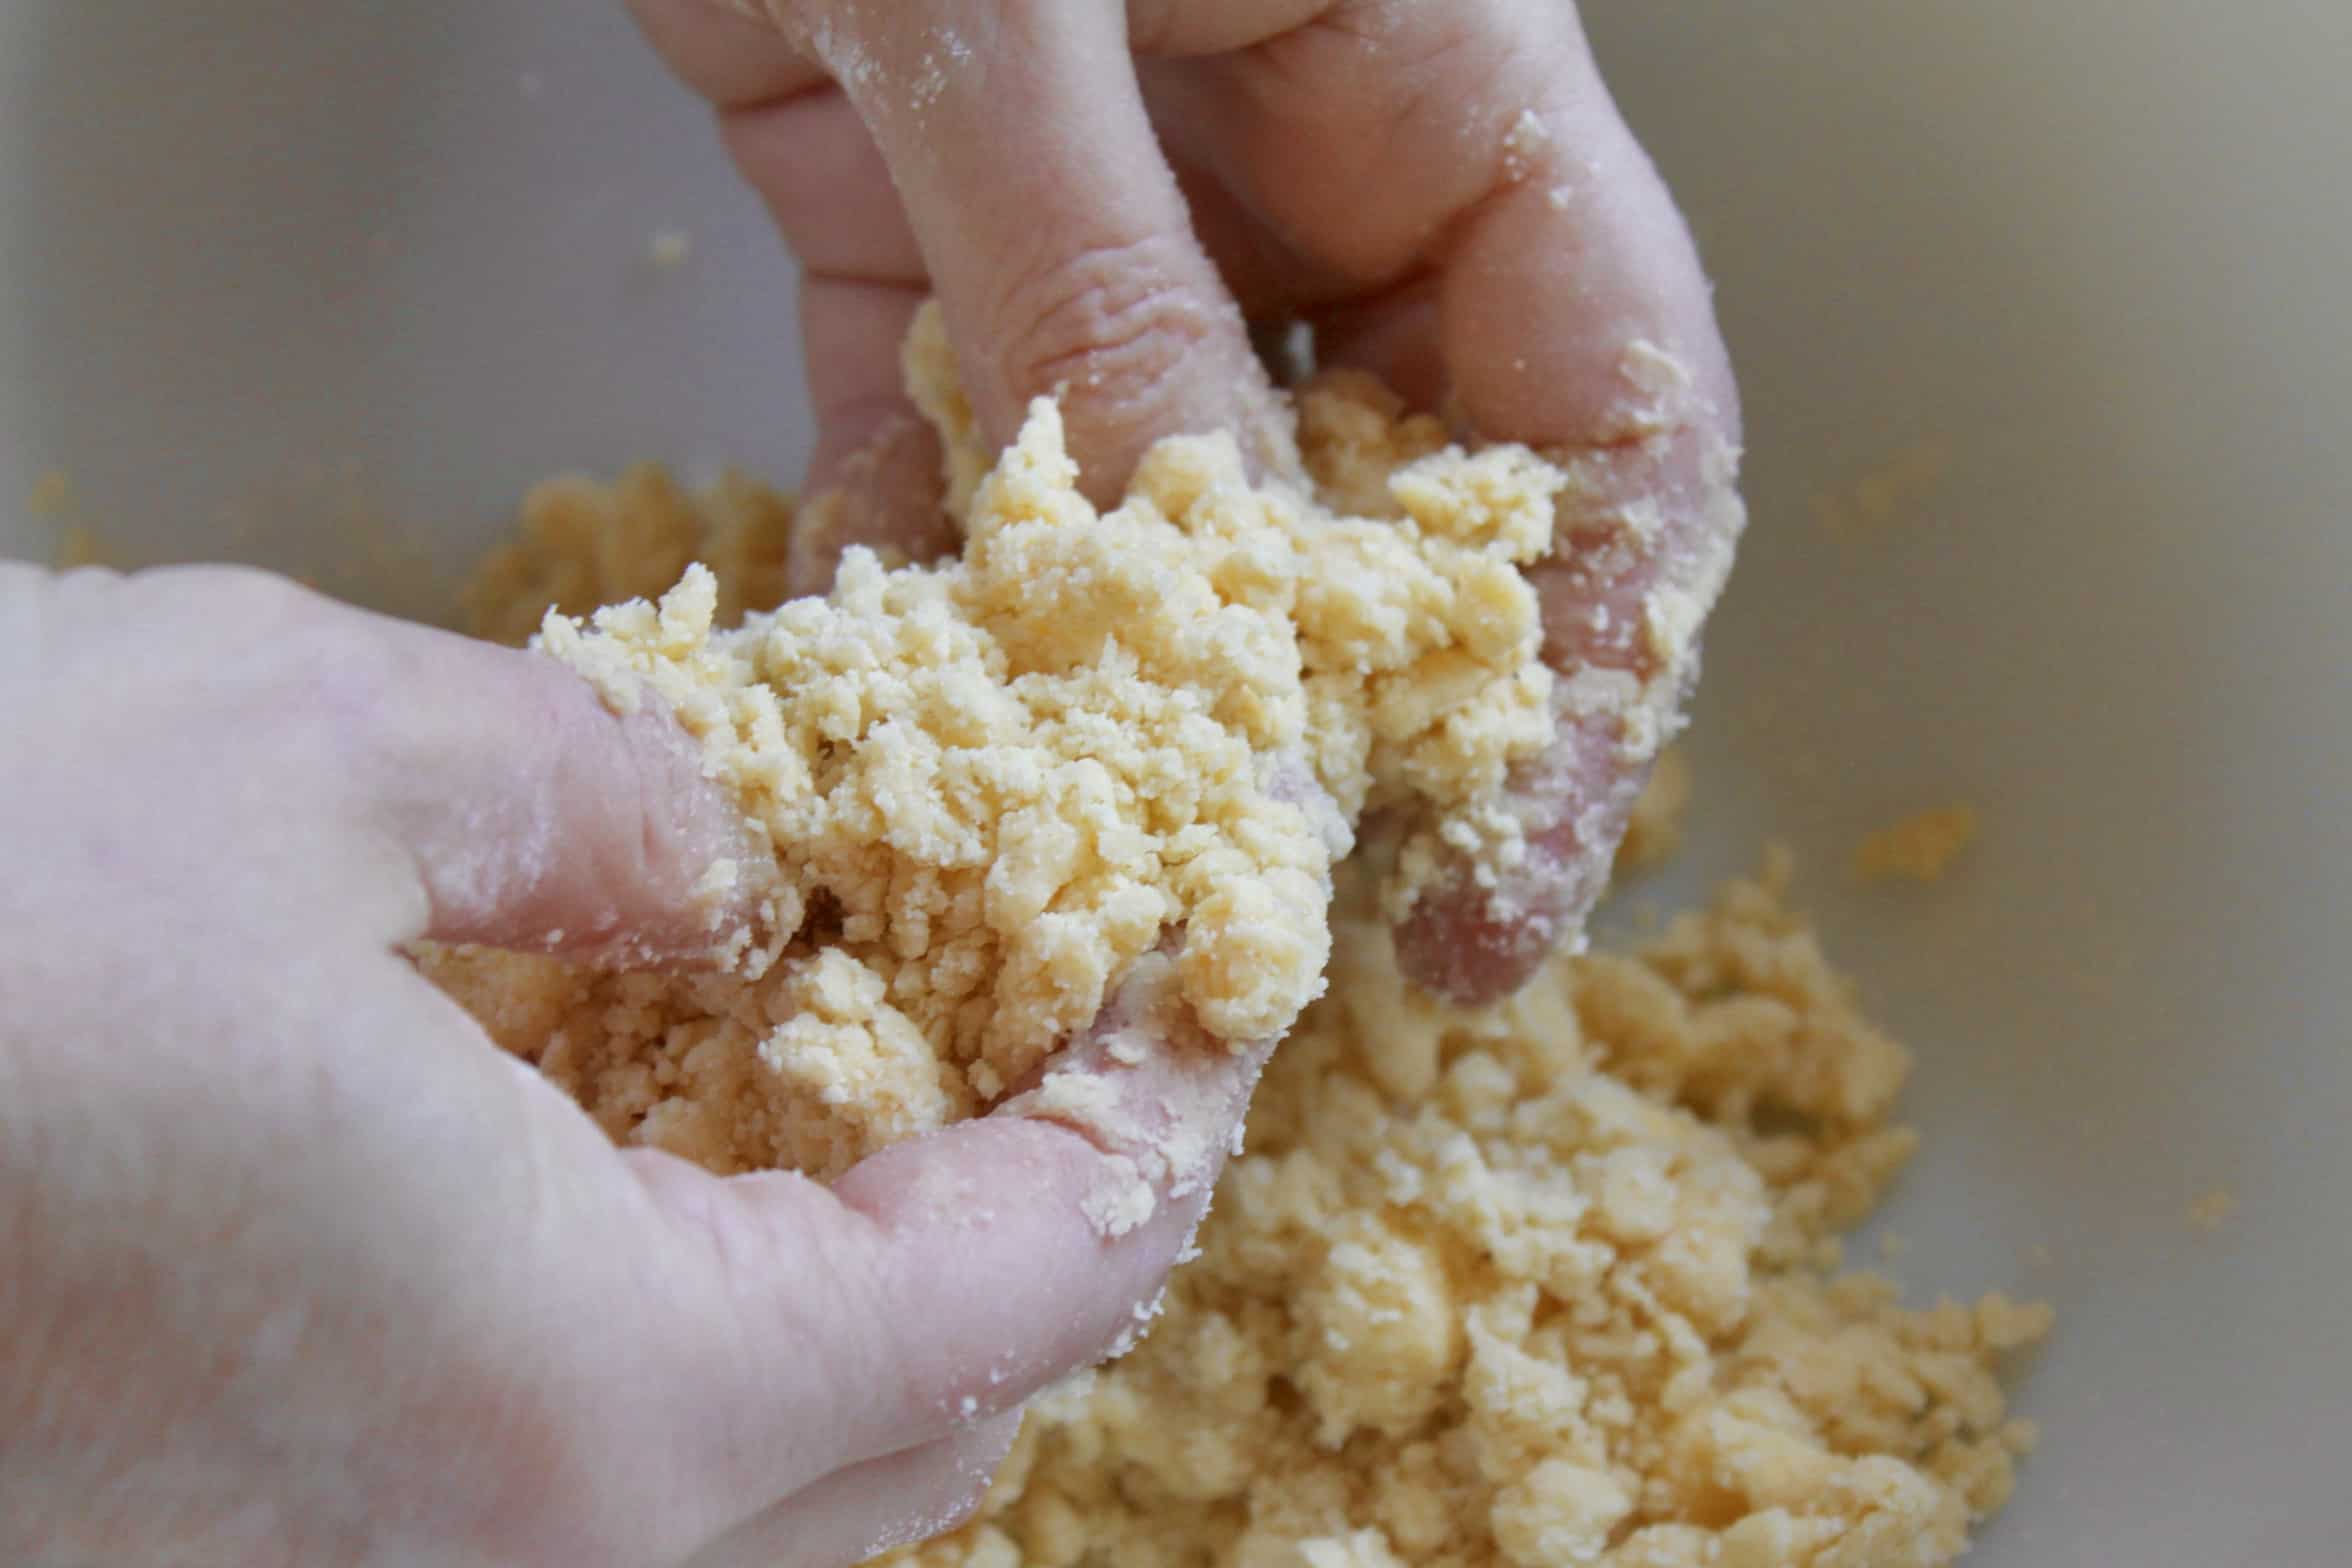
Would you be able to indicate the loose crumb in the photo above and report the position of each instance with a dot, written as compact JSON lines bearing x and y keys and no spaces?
{"x":1920,"y":847}
{"x":669,"y":249}
{"x":1891,"y":491}
{"x":80,"y":546}
{"x":2211,"y":1211}
{"x":51,"y":495}
{"x":1653,"y":832}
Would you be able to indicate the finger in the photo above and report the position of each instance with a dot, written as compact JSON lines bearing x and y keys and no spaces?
{"x":884,"y":496}
{"x":1511,"y":251}
{"x":874,"y":479}
{"x":875,"y":1507}
{"x":1574,"y":314}
{"x":947,"y":1279}
{"x":814,"y":164}
{"x":877,"y":477}
{"x":1051,"y":225}
{"x":533,"y":812}
{"x":1392,"y":336}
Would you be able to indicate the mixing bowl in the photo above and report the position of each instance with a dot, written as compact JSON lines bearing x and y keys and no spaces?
{"x":2039,"y":313}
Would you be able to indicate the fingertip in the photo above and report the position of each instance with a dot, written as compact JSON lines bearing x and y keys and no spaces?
{"x":1056,"y":233}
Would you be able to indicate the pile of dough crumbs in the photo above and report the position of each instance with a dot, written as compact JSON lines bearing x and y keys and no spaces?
{"x":1549,"y":1282}
{"x":991,"y":784}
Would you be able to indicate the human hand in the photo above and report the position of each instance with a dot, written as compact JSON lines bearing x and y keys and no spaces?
{"x":1101,"y":196}
{"x":301,"y":1269}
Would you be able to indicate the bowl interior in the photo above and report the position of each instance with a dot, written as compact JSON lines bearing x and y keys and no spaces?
{"x":2038,"y":316}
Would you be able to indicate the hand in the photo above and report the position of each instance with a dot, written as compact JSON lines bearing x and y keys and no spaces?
{"x":1100,"y":197}
{"x":300,"y":1269}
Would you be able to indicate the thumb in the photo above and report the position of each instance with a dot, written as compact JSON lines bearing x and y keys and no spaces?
{"x":529,"y":810}
{"x":945,"y":1280}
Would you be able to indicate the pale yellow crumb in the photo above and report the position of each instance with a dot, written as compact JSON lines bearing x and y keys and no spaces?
{"x":669,"y":249}
{"x":1921,"y":847}
{"x":1654,"y":829}
{"x":1536,"y":1284}
{"x":51,"y":495}
{"x":580,"y":544}
{"x":53,"y":499}
{"x":1890,"y":491}
{"x":2209,"y":1212}
{"x":79,"y":546}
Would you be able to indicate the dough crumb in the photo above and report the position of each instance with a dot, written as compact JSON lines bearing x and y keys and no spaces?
{"x":2211,"y":1211}
{"x":580,"y":545}
{"x":669,"y":249}
{"x":1920,"y":847}
{"x":79,"y":546}
{"x":51,"y":495}
{"x":53,"y":498}
{"x":1653,"y":831}
{"x":1891,"y":491}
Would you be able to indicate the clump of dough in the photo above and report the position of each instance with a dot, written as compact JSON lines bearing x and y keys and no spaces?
{"x":992,"y":784}
{"x":580,"y":545}
{"x":1918,"y":848}
{"x":1653,"y":828}
{"x":1544,"y":1283}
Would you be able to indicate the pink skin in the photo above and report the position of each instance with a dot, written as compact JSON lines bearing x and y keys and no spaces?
{"x":1445,"y":192}
{"x":303,"y":1270}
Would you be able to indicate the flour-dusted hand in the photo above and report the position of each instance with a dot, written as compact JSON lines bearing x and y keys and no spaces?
{"x":302,"y":1270}
{"x":1102,"y":197}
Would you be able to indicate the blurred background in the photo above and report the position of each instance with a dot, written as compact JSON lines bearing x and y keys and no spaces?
{"x":2038,"y":311}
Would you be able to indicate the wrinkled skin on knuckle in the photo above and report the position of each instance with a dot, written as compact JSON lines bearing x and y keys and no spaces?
{"x":1109,"y":329}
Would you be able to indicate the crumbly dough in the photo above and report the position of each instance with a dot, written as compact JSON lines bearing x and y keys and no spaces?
{"x":1890,"y":491}
{"x":992,"y":784}
{"x":1920,"y":847}
{"x":1550,"y":1282}
{"x":1653,"y":829}
{"x":1545,"y":1283}
{"x":580,"y":545}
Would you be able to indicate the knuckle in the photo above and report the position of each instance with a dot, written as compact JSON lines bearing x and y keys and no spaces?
{"x":1111,"y":325}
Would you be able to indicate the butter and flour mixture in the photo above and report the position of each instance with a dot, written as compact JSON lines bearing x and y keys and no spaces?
{"x":992,"y":784}
{"x":1549,"y":1282}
